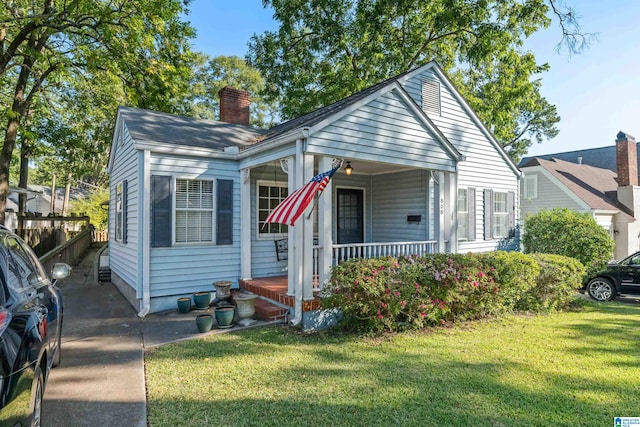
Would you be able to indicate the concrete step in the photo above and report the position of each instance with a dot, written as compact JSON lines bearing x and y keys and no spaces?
{"x":269,"y":311}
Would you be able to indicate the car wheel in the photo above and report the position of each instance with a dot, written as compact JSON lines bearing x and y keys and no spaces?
{"x":38,"y":398}
{"x":601,"y":289}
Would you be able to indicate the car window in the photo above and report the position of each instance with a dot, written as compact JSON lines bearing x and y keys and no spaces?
{"x":21,"y":265}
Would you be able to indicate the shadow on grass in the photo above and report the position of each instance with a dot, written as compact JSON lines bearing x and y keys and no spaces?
{"x":275,"y":376}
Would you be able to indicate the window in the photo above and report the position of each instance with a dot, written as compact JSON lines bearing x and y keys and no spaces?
{"x":500,"y":215}
{"x":270,"y":194}
{"x":121,"y":212}
{"x":463,"y":213}
{"x":431,"y":96}
{"x":530,"y":187}
{"x":194,"y":211}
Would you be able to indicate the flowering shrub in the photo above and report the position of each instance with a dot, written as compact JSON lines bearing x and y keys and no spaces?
{"x":412,"y":292}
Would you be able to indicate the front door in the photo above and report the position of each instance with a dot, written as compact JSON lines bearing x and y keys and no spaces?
{"x":350,"y":215}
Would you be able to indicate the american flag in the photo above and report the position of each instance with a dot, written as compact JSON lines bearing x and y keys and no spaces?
{"x":290,"y":209}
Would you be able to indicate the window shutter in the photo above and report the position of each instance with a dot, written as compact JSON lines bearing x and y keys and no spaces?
{"x":488,"y":214}
{"x":125,"y":205}
{"x":511,"y":198}
{"x":431,"y":96}
{"x":224,"y":222}
{"x":160,"y":211}
{"x":471,"y":212}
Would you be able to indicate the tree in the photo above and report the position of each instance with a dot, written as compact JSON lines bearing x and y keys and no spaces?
{"x":326,"y":50}
{"x":141,"y":43}
{"x":568,"y":233}
{"x":211,"y":75}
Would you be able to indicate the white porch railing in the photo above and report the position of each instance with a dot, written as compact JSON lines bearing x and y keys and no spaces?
{"x":348,"y":251}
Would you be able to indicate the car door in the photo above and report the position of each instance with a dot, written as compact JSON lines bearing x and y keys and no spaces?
{"x":630,"y":274}
{"x":37,"y":288}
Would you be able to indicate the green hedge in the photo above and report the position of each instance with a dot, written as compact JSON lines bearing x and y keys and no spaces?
{"x":412,"y":292}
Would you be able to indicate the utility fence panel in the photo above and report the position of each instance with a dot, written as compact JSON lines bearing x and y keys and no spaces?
{"x":43,"y":240}
{"x":101,"y":236}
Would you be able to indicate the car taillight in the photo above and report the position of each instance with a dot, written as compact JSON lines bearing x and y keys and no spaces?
{"x":5,"y":319}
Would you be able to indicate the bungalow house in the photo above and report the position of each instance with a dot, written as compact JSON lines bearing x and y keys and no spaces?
{"x":609,"y":192}
{"x":189,"y":197}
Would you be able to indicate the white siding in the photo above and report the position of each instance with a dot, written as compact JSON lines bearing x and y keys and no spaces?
{"x":484,"y":166}
{"x":394,"y":197}
{"x":123,"y":257}
{"x":550,"y":196}
{"x":385,"y":130}
{"x":188,"y":268}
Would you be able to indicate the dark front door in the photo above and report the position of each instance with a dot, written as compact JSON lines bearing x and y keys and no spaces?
{"x":350,"y":216}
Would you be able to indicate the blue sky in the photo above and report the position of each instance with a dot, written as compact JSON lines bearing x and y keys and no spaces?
{"x":596,"y":92}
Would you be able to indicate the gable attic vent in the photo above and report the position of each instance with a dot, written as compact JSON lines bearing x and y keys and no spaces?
{"x":431,"y":96}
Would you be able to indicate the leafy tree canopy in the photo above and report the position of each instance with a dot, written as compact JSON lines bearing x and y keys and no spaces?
{"x":326,"y":50}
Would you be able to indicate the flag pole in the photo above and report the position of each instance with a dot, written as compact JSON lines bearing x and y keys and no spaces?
{"x":315,"y":200}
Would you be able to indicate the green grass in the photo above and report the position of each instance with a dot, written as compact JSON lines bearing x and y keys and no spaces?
{"x":564,"y":369}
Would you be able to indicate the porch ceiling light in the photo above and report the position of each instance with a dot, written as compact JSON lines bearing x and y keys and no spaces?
{"x":348,"y":169}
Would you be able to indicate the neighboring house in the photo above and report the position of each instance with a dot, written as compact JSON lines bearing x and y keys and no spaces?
{"x":612,"y":198}
{"x":189,"y":197}
{"x":38,"y":201}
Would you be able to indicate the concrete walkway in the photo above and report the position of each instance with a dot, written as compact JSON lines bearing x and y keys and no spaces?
{"x":101,"y":379}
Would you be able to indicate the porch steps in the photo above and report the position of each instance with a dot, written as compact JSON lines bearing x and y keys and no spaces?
{"x":265,"y":309}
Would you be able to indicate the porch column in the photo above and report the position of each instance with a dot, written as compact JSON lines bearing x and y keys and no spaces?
{"x":440,"y":213}
{"x":451,"y":211}
{"x":325,"y":240}
{"x":245,"y":224}
{"x":292,"y":183}
{"x":307,"y":233}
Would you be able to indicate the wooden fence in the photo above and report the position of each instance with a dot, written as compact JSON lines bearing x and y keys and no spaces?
{"x":100,"y":236}
{"x":69,"y":252}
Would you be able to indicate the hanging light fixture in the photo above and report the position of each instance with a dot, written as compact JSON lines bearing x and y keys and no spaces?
{"x":348,"y":169}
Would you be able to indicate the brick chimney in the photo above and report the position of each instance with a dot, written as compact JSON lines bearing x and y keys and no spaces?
{"x":234,"y":105}
{"x":626,"y":160}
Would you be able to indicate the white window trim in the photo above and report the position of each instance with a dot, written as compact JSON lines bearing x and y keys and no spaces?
{"x":119,"y":214}
{"x":259,"y":183}
{"x":174,"y":210}
{"x":497,"y":214}
{"x":526,"y":181}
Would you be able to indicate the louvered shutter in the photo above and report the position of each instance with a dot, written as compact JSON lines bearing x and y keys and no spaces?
{"x":511,"y":198}
{"x":471,"y":212}
{"x":125,"y":206}
{"x":224,"y":223}
{"x":160,"y":211}
{"x":488,"y":214}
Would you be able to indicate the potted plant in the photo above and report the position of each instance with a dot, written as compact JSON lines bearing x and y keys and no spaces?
{"x":223,"y":290}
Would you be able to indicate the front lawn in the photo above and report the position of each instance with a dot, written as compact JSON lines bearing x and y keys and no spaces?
{"x":564,"y":369}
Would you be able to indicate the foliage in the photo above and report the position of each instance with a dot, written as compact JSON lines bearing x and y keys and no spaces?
{"x":569,"y":233}
{"x":411,"y":292}
{"x":559,"y":279}
{"x":93,"y":206}
{"x":211,"y":75}
{"x":562,"y":369}
{"x":60,"y":53}
{"x":327,"y":50}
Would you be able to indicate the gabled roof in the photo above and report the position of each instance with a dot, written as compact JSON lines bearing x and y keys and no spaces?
{"x":164,"y":128}
{"x":597,"y":187}
{"x":602,"y":157}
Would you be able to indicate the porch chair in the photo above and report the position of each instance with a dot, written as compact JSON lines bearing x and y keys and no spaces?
{"x":282,"y":249}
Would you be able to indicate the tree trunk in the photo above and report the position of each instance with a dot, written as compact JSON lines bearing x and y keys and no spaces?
{"x":67,"y":190}
{"x":22,"y":183}
{"x":53,"y":194}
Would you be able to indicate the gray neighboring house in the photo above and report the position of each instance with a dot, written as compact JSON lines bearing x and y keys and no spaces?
{"x":189,"y":197}
{"x":611,"y":194}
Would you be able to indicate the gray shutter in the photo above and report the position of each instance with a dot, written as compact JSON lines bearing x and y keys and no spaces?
{"x":161,"y":211}
{"x":488,"y":214}
{"x":125,"y":205}
{"x":471,"y":209}
{"x":224,"y":205}
{"x":511,"y":198}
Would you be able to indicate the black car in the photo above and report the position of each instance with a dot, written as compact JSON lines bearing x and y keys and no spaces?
{"x":30,"y":330}
{"x":620,"y":277}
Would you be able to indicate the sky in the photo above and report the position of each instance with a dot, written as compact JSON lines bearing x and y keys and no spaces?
{"x":596,"y":92}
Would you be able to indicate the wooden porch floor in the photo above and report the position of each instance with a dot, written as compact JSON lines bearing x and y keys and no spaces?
{"x":275,"y":288}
